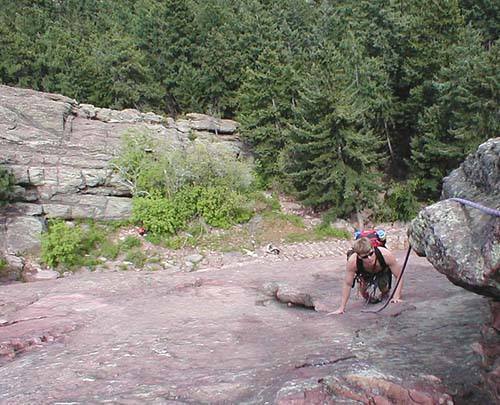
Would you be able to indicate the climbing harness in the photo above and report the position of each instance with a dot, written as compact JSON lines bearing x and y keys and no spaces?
{"x":369,"y":282}
{"x":487,"y":210}
{"x":395,"y":287}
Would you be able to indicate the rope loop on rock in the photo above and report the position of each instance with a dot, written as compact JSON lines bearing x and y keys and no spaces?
{"x":487,"y":210}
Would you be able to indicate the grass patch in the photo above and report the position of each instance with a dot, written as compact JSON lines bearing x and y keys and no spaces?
{"x":136,"y":257}
{"x":129,"y":243}
{"x":290,"y":219}
{"x":227,"y":241}
{"x":327,"y":231}
{"x":271,"y":227}
{"x":109,"y":249}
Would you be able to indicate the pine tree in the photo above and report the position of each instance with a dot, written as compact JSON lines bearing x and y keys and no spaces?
{"x":19,"y":42}
{"x":333,"y":153}
{"x":122,"y":77}
{"x":483,"y":15}
{"x":266,"y":100}
{"x":165,"y":31}
{"x":432,"y":28}
{"x":464,"y":114}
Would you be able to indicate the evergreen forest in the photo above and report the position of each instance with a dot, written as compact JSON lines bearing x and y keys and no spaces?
{"x":347,"y":104}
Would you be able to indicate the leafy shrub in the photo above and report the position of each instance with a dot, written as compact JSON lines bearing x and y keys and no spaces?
{"x":402,"y":202}
{"x":172,"y":186}
{"x":149,"y":166}
{"x":186,"y":200}
{"x":209,"y":165}
{"x":136,"y":163}
{"x":70,"y":245}
{"x":220,"y":207}
{"x":92,"y":235}
{"x":217,"y":205}
{"x":155,"y":239}
{"x":157,"y":214}
{"x":3,"y":264}
{"x":6,"y":185}
{"x":62,"y":244}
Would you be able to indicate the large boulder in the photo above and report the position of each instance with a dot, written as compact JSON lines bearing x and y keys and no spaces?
{"x":60,"y":153}
{"x":463,"y":241}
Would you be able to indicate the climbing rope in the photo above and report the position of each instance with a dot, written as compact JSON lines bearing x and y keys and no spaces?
{"x":486,"y":210}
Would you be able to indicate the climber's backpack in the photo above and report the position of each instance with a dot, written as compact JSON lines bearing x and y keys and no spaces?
{"x":376,"y":236}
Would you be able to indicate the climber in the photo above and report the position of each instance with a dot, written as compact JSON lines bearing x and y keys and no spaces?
{"x":373,"y":268}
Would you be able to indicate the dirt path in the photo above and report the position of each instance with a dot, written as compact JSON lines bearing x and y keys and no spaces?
{"x":217,"y":336}
{"x":179,"y":260}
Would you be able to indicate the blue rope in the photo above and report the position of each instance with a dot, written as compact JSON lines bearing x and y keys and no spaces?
{"x":487,"y":210}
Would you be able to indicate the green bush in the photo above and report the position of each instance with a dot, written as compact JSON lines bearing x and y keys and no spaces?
{"x":220,"y":207}
{"x":150,"y":166}
{"x":210,"y":165}
{"x":186,"y":200}
{"x":171,"y":186}
{"x":92,"y":235}
{"x":3,"y":264}
{"x":137,"y":165}
{"x":6,"y":185}
{"x":109,"y":250}
{"x":72,"y":245}
{"x":62,"y":244}
{"x":402,"y":202}
{"x":217,"y":206}
{"x":157,"y":214}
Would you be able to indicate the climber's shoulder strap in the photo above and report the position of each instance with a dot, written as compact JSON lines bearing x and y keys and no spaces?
{"x":380,"y":258}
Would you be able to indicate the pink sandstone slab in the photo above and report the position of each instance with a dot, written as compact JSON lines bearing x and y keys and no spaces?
{"x":218,"y":336}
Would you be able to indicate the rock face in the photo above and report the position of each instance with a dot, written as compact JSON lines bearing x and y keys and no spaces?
{"x":60,"y":153}
{"x":462,"y":241}
{"x":219,"y":337}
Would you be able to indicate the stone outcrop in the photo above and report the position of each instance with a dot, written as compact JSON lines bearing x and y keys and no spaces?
{"x":462,"y":241}
{"x":60,"y":153}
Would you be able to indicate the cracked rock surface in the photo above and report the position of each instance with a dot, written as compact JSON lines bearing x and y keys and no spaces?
{"x":219,"y":336}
